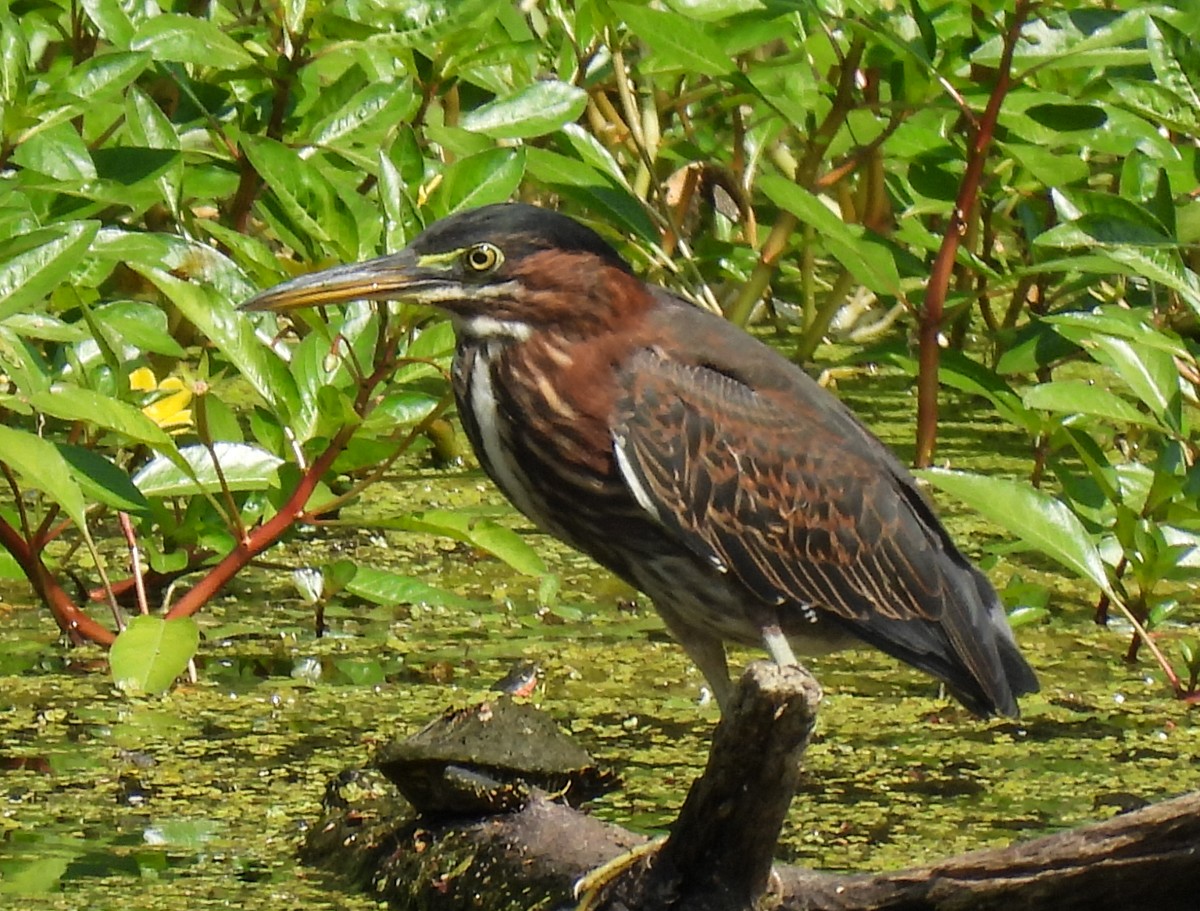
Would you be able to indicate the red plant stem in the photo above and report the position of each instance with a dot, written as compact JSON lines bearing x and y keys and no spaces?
{"x":70,"y":619}
{"x":943,"y":264}
{"x":262,"y":537}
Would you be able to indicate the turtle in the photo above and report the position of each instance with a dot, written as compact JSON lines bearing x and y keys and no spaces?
{"x":487,"y":758}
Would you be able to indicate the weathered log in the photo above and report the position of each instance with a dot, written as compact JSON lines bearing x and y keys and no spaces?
{"x":1146,"y":859}
{"x":719,"y":854}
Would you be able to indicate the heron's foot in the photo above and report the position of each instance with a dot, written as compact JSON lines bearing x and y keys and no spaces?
{"x":590,"y":886}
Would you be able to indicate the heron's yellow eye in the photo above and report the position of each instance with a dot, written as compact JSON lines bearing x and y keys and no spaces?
{"x":482,"y":258}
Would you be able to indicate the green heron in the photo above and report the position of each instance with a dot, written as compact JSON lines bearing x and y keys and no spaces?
{"x":686,"y":456}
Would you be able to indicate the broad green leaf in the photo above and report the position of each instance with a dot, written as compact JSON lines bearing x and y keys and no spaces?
{"x":870,"y":262}
{"x":148,"y":126}
{"x":59,"y":152}
{"x":591,"y":151}
{"x":46,"y":328}
{"x":485,"y":534}
{"x":14,"y":59}
{"x":958,"y":371}
{"x":1118,"y":322}
{"x":189,"y":39}
{"x":39,"y":262}
{"x":1052,"y":168}
{"x":74,"y":403}
{"x":151,"y":652}
{"x":244,"y":467}
{"x":404,"y":408}
{"x":1149,"y":372}
{"x":488,"y":177}
{"x":533,"y":111}
{"x":1032,"y":515}
{"x":553,"y":168}
{"x":233,"y":333}
{"x":1125,"y":239}
{"x":714,"y":10}
{"x":389,"y":102}
{"x":111,"y":20}
{"x":107,"y":73}
{"x":397,"y":209}
{"x":1176,"y":61}
{"x":1123,"y":219}
{"x":38,"y":463}
{"x":301,"y":201}
{"x":1037,"y":344}
{"x":382,"y":587}
{"x":1157,"y":104}
{"x":140,"y":324}
{"x":103,"y":482}
{"x":679,"y":44}
{"x":1079,"y":397}
{"x":1061,"y":40}
{"x":423,"y":25}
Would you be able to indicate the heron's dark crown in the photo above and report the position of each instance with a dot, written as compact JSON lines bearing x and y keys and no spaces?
{"x":519,"y":230}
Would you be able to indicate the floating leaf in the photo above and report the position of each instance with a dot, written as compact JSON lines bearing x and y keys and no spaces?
{"x":382,"y":587}
{"x":477,"y":531}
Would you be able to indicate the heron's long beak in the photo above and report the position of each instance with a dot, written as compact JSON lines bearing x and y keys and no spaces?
{"x":395,"y":277}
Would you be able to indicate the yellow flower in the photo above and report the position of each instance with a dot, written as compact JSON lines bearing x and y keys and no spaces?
{"x":171,"y":397}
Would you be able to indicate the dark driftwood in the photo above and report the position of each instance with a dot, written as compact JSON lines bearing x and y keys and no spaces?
{"x":718,"y":855}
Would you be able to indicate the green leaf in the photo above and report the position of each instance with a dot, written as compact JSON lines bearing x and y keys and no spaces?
{"x":378,"y":103}
{"x":233,"y":333}
{"x":477,"y":180}
{"x":382,"y":587}
{"x":108,"y":73}
{"x":33,"y":265}
{"x":14,"y":59}
{"x":679,"y":44}
{"x":39,"y":464}
{"x":59,"y":152}
{"x":1079,"y":397}
{"x":151,"y":652}
{"x":485,"y":534}
{"x":534,"y":111}
{"x":870,"y":262}
{"x":189,"y":39}
{"x":141,"y":325}
{"x":1176,"y":62}
{"x":73,"y":403}
{"x":111,"y":20}
{"x":300,"y":201}
{"x":1119,"y":322}
{"x":1035,"y":517}
{"x":243,"y":466}
{"x":1149,"y":372}
{"x":1126,"y":247}
{"x":102,"y":481}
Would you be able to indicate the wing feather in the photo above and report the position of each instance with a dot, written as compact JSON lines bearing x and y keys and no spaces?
{"x":787,"y":492}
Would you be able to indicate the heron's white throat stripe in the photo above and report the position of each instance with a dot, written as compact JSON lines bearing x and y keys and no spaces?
{"x":505,"y":470}
{"x":484,"y":326}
